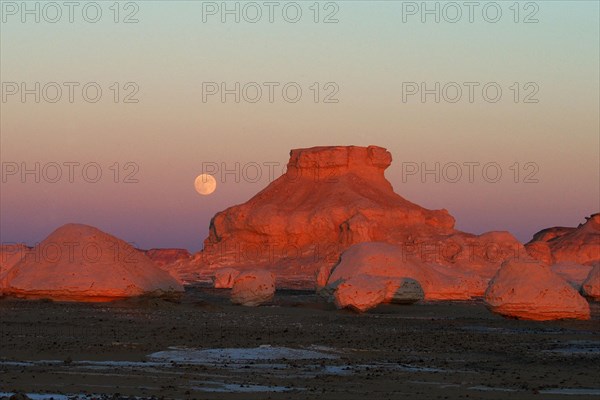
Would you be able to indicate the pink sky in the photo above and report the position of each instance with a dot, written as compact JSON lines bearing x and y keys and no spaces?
{"x":363,"y":61}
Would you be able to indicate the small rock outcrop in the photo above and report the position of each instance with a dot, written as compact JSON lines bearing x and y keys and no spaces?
{"x":528,"y":289}
{"x":361,"y":293}
{"x":253,"y":288}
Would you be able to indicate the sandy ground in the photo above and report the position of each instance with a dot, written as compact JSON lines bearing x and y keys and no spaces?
{"x":298,"y":348}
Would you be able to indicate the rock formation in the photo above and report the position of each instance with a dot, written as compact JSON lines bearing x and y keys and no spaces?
{"x":224,"y":278}
{"x":361,"y":293}
{"x":591,"y":286}
{"x":253,"y":288}
{"x":81,"y":263}
{"x":579,"y":245}
{"x":572,"y":272}
{"x":545,"y":235}
{"x":11,"y":254}
{"x":528,"y":289}
{"x":171,"y":260}
{"x":540,"y":251}
{"x":329,"y":199}
{"x":167,"y":257}
{"x":322,"y":276}
{"x":385,"y":260}
{"x":191,"y":270}
{"x":405,"y":291}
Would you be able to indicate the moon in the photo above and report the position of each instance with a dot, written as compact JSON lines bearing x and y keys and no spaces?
{"x":205,"y":184}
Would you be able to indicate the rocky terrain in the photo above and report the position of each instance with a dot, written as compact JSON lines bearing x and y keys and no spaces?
{"x":296,"y":347}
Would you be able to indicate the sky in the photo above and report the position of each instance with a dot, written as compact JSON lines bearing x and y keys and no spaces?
{"x":110,"y":110}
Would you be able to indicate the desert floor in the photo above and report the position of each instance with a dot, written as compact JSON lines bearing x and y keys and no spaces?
{"x":431,"y":350}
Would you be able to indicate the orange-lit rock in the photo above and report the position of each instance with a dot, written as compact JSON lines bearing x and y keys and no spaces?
{"x":81,"y":263}
{"x":361,"y":293}
{"x":572,"y":272}
{"x":329,"y":199}
{"x":579,"y":245}
{"x":465,"y":254}
{"x":191,"y":270}
{"x":322,"y":276}
{"x":167,"y":257}
{"x":391,"y":261}
{"x":528,"y":289}
{"x":174,"y":261}
{"x":548,"y":234}
{"x":591,"y":286}
{"x":540,"y":251}
{"x":224,"y":278}
{"x":253,"y":288}
{"x":10,"y":254}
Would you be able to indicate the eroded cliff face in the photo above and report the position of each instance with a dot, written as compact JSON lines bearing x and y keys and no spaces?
{"x":329,"y":199}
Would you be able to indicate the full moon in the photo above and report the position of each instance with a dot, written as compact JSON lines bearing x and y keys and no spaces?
{"x":205,"y":184}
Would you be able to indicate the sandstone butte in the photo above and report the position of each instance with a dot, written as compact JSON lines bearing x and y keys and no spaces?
{"x":528,"y":289}
{"x":81,"y":263}
{"x":329,"y":199}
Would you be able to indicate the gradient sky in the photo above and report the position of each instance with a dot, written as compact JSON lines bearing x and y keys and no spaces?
{"x":369,"y":53}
